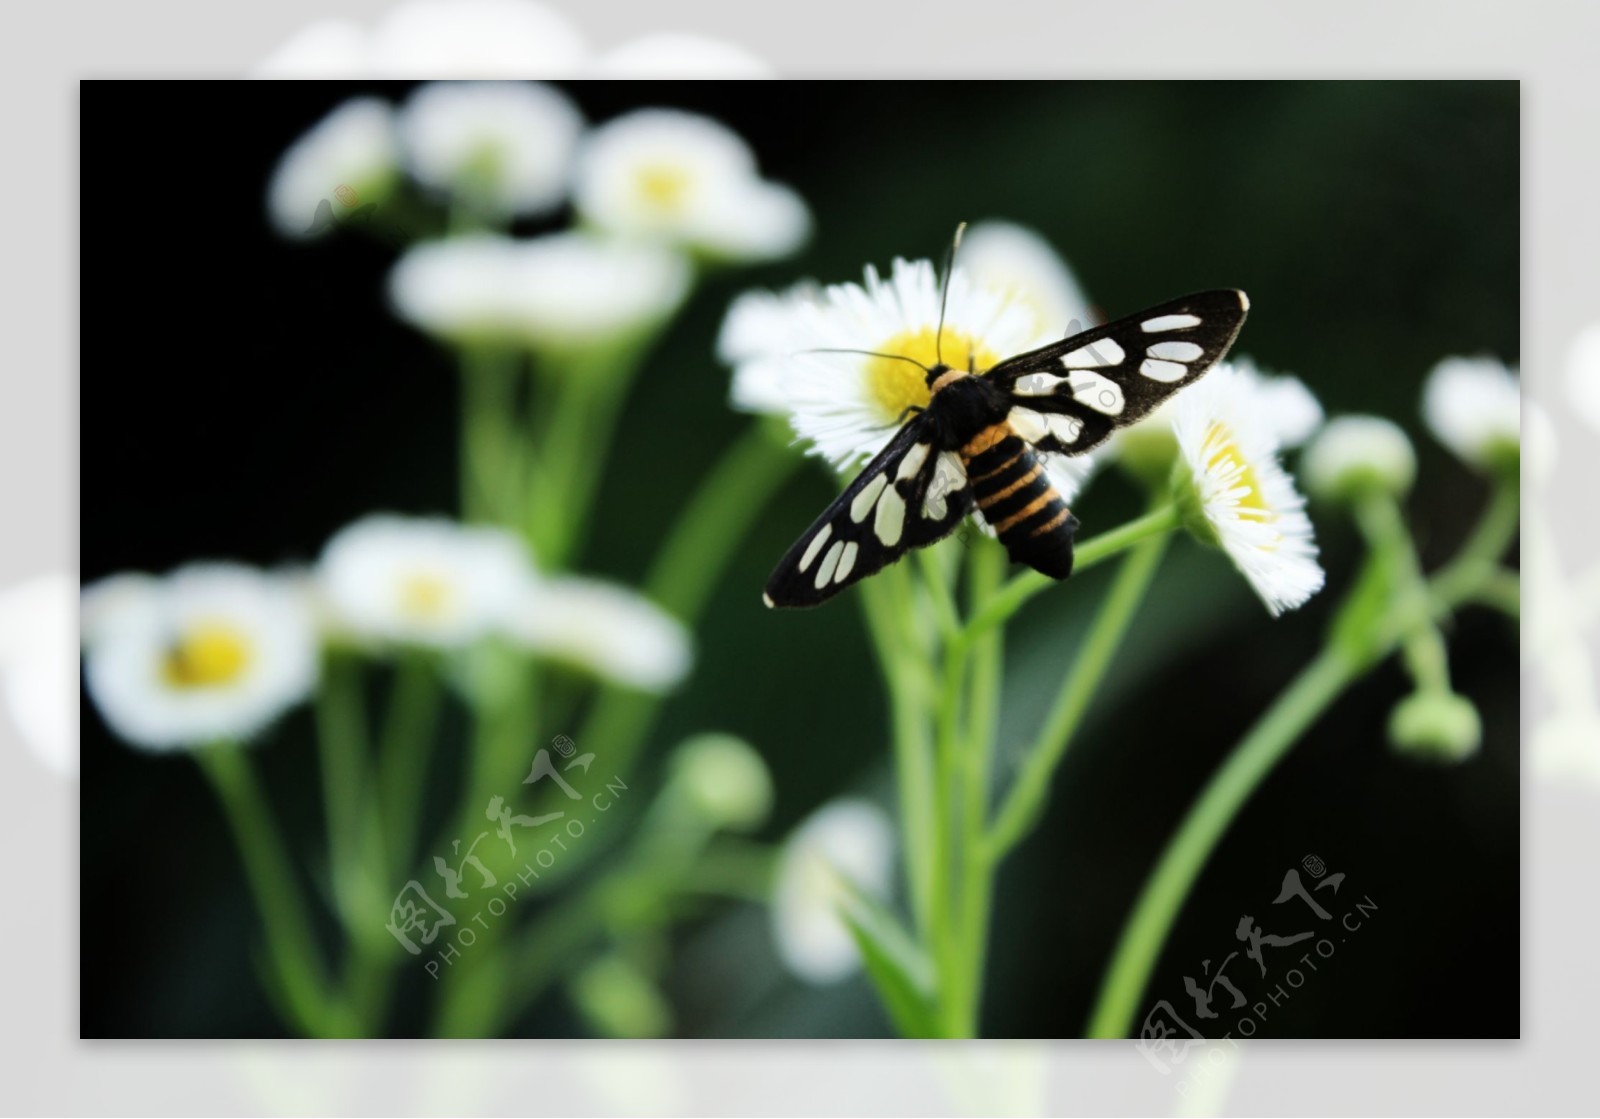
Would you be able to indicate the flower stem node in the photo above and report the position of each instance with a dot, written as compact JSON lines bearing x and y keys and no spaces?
{"x":725,"y":780}
{"x":1437,"y":726}
{"x":1354,"y":456}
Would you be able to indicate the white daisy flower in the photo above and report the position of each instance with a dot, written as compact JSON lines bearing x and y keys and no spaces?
{"x":603,"y":628}
{"x":213,"y":652}
{"x":1356,"y":453}
{"x":673,"y":54}
{"x":1281,"y":402}
{"x":1474,"y":407}
{"x":565,"y":290}
{"x":685,"y":179}
{"x":504,"y":148}
{"x":848,"y":839}
{"x":420,"y":581}
{"x":348,"y":159}
{"x":1013,"y":258}
{"x":725,"y":779}
{"x":1583,"y":375}
{"x":39,"y":666}
{"x":753,"y":342}
{"x":1240,"y":497}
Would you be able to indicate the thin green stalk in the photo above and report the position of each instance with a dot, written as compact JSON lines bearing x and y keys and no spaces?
{"x":985,"y":572}
{"x":1425,"y":653}
{"x":1092,"y":551}
{"x":342,"y":742}
{"x":403,"y":761}
{"x":913,"y":750}
{"x":296,"y":961}
{"x":1317,"y":685}
{"x":1022,"y":805}
{"x":491,"y":450}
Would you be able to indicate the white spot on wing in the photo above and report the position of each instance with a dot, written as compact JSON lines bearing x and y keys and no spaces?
{"x":1028,"y":424}
{"x":1169,"y":322}
{"x":1098,"y":392}
{"x":949,"y":476}
{"x":815,"y":546}
{"x":1104,"y":352}
{"x":1037,"y":384}
{"x":767,"y":598}
{"x":1175,"y":351}
{"x":915,"y":457}
{"x":829,"y":563}
{"x":1165,"y":371}
{"x":1066,"y":429}
{"x":891,"y":519}
{"x":863,"y":501}
{"x":847,"y":561}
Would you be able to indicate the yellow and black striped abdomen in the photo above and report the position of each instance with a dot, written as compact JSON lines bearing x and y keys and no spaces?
{"x":1015,"y":496}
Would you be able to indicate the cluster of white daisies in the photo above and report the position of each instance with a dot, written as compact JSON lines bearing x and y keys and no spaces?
{"x":217,"y":651}
{"x":1009,"y":293}
{"x":652,"y":192}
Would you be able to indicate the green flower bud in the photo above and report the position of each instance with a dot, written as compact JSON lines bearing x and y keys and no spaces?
{"x":1438,"y":726}
{"x":725,"y":781}
{"x":1354,"y":455}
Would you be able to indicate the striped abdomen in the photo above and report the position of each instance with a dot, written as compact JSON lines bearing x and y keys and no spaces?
{"x":1015,"y":495}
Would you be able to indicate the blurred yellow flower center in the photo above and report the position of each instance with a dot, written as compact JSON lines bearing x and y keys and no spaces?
{"x":1222,"y":450}
{"x":425,"y":597}
{"x":206,"y":655}
{"x":664,"y":186}
{"x":897,"y":385}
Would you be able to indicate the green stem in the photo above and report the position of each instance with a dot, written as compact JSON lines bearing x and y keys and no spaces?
{"x":491,"y":450}
{"x":342,"y":742}
{"x":1011,"y":598}
{"x":1425,"y":653}
{"x":290,"y":944}
{"x":1022,"y":805}
{"x":403,"y":762}
{"x":1187,"y":852}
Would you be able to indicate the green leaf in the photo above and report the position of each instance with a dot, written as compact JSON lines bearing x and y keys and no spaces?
{"x":897,"y":966}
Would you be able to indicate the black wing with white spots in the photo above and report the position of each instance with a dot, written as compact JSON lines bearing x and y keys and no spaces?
{"x":1070,"y":395}
{"x":911,"y":495}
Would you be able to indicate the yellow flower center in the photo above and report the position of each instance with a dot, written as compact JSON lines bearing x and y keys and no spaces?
{"x":664,"y":186}
{"x":425,"y":597}
{"x":897,"y":385}
{"x":206,"y":655}
{"x":1221,"y":450}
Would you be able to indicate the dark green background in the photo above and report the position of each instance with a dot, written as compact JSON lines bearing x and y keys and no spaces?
{"x":244,"y":397}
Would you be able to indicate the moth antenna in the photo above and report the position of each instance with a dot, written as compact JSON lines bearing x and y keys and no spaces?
{"x":869,"y":353}
{"x":944,"y":292}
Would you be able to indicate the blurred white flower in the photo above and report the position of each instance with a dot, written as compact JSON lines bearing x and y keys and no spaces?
{"x":355,"y":148}
{"x":1583,"y":375}
{"x":753,"y":341}
{"x":1240,"y":497}
{"x":421,"y":581}
{"x":685,"y":179}
{"x":213,"y":652}
{"x":437,"y":39}
{"x":1355,"y":453}
{"x":1015,"y":259}
{"x":848,"y":839}
{"x":563,"y":290}
{"x":603,"y":628}
{"x":39,"y":666}
{"x":1539,"y":447}
{"x":673,"y":54}
{"x":1474,"y":407}
{"x":503,"y":148}
{"x":725,"y":779}
{"x":104,"y":601}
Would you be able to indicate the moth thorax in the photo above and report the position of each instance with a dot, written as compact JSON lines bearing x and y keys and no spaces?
{"x":944,"y":377}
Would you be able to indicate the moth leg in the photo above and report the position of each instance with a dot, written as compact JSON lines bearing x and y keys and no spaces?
{"x":909,"y":410}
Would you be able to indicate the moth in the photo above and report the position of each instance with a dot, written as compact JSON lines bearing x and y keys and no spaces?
{"x":983,"y":437}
